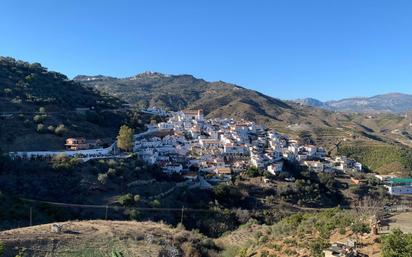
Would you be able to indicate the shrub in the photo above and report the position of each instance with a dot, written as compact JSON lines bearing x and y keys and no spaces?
{"x":117,"y":254}
{"x":397,"y":244}
{"x":102,"y":178}
{"x":134,"y":214}
{"x":111,"y":172}
{"x":60,"y":130}
{"x":51,"y":128}
{"x":155,"y":203}
{"x":253,"y":172}
{"x":180,"y":226}
{"x":317,"y":247}
{"x":39,"y":118}
{"x":277,"y":247}
{"x":263,"y":239}
{"x":40,"y":128}
{"x":359,"y":227}
{"x":112,"y":163}
{"x":63,"y":163}
{"x":126,"y":199}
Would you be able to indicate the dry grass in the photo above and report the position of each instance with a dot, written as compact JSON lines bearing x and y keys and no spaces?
{"x":95,"y":238}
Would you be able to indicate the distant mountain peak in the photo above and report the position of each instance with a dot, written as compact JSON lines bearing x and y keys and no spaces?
{"x":92,"y":78}
{"x":310,"y":102}
{"x":393,"y":102}
{"x":148,"y":74}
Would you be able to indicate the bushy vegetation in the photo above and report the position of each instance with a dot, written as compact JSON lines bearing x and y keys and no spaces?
{"x":43,"y":106}
{"x":312,"y":189}
{"x":310,"y":231}
{"x":34,"y":84}
{"x":126,"y":199}
{"x":397,"y":244}
{"x":381,"y":158}
{"x":253,"y":172}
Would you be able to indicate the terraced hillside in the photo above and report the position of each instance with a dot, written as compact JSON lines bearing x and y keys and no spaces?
{"x":220,"y":99}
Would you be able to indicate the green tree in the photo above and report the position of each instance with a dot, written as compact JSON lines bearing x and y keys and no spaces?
{"x":40,"y":128}
{"x":102,"y":178}
{"x":397,"y":244}
{"x":60,"y":130}
{"x":253,"y":172}
{"x":7,"y":91}
{"x":125,"y":138}
{"x":39,"y":118}
{"x":126,"y":199}
{"x":51,"y":128}
{"x":155,"y":203}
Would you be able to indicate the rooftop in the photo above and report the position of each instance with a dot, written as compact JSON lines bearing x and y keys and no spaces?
{"x":401,"y":180}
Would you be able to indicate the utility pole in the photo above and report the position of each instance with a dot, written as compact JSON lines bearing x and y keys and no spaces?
{"x":31,"y":216}
{"x":107,"y":210}
{"x":181,"y":217}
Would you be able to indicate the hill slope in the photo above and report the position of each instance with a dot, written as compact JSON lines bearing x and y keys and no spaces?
{"x":387,"y":103}
{"x":39,"y":108}
{"x":220,"y":99}
{"x":217,"y":99}
{"x":104,"y":238}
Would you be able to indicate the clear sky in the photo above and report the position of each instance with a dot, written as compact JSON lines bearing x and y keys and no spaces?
{"x":327,"y":49}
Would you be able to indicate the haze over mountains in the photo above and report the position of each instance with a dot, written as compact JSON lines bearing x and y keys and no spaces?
{"x":386,"y":103}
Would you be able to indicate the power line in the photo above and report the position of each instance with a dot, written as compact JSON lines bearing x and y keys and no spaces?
{"x":107,"y":207}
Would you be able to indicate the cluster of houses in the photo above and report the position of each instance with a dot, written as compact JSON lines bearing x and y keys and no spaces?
{"x":215,"y":149}
{"x":396,"y":185}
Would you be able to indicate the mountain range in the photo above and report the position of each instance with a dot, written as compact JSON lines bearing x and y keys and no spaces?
{"x":386,"y":103}
{"x":217,"y":99}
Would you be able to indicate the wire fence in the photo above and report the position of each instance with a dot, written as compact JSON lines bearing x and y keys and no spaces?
{"x":41,"y":212}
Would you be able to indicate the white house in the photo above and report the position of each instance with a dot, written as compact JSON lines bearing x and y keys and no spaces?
{"x":172,"y":168}
{"x":275,"y":168}
{"x":316,"y":166}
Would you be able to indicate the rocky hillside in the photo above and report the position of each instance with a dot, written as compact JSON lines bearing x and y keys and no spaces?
{"x":387,"y":103}
{"x":39,"y":108}
{"x":184,"y":91}
{"x":217,"y":99}
{"x":300,"y":234}
{"x":106,"y":238}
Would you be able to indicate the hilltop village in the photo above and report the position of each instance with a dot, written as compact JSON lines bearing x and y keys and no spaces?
{"x":215,"y":149}
{"x":210,"y":151}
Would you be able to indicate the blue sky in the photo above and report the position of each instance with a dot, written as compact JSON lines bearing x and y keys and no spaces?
{"x":327,"y":49}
